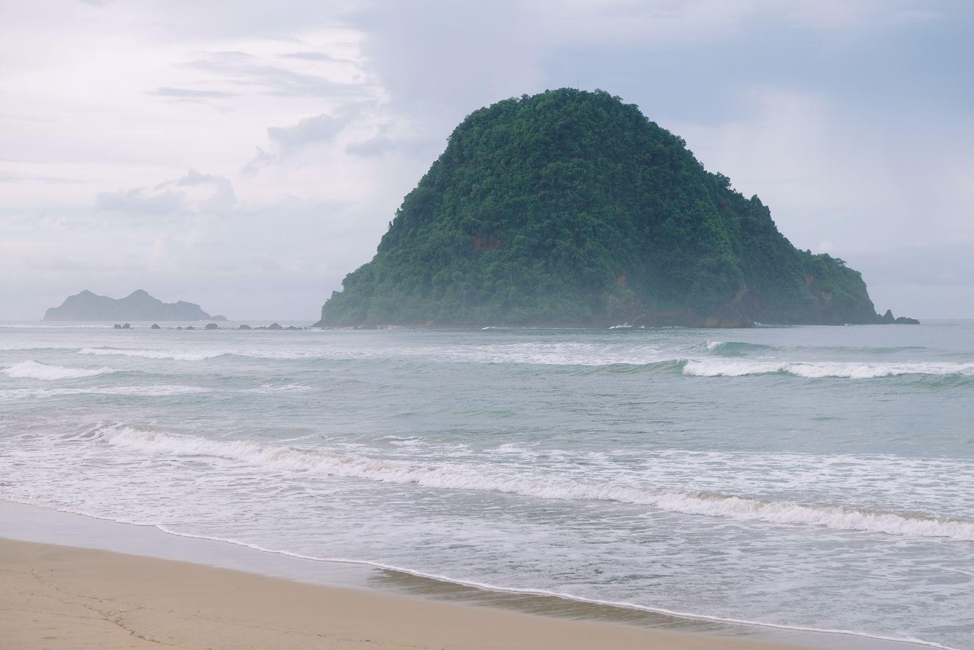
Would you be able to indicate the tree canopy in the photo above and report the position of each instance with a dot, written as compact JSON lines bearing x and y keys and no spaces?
{"x":571,"y":208}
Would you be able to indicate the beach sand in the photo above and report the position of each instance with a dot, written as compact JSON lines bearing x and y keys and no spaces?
{"x":59,"y":597}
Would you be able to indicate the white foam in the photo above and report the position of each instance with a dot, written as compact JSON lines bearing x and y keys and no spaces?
{"x":272,"y":389}
{"x":135,"y":391}
{"x":35,"y":370}
{"x":476,"y":584}
{"x":289,"y":355}
{"x":470,"y":476}
{"x":25,"y":348}
{"x":484,"y":586}
{"x":819,"y":370}
{"x":404,"y":441}
{"x":555,"y":354}
{"x":176,"y":355}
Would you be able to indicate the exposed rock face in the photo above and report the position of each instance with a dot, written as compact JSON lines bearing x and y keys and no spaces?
{"x":138,"y":306}
{"x":571,"y":208}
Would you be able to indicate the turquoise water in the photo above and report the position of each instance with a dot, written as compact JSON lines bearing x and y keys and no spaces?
{"x":805,"y":477}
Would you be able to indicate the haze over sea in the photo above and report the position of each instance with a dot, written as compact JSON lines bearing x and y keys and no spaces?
{"x":806,"y":477}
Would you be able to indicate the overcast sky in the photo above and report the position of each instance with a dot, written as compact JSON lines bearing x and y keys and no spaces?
{"x":247,"y":155}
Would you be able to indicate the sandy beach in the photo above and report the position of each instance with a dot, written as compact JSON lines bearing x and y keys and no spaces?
{"x":54,"y":597}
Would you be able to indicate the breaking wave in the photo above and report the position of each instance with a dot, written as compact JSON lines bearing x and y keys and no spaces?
{"x":735,"y":348}
{"x":819,"y":370}
{"x":470,"y":476}
{"x":134,"y":391}
{"x":25,"y":348}
{"x":272,"y":389}
{"x":203,"y":355}
{"x":37,"y":370}
{"x":720,"y":359}
{"x":176,"y":355}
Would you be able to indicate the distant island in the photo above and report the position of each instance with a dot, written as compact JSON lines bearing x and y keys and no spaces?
{"x":138,"y":305}
{"x":571,"y":208}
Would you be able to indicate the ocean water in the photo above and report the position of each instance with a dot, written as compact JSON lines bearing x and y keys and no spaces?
{"x":803,"y":477}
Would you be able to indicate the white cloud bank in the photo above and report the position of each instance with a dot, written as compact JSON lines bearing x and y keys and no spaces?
{"x":854,"y":121}
{"x":192,"y":194}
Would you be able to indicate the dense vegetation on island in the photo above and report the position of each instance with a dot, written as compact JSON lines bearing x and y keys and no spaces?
{"x":571,"y":208}
{"x":139,"y":305}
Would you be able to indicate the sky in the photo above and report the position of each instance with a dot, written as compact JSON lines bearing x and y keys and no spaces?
{"x":247,"y":155}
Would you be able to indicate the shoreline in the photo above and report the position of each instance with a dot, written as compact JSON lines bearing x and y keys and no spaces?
{"x":132,"y":543}
{"x":68,"y":597}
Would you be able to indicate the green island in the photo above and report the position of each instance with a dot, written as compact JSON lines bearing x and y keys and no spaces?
{"x":571,"y":208}
{"x":139,"y":305}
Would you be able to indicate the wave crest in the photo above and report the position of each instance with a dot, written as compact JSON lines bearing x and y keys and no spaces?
{"x":469,"y":476}
{"x":176,"y":355}
{"x":125,"y":391}
{"x":42,"y":371}
{"x":820,"y":370}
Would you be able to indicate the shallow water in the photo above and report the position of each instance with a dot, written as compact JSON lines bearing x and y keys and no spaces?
{"x":805,"y":477}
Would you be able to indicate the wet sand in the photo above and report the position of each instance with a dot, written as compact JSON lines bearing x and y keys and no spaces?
{"x":59,"y":597}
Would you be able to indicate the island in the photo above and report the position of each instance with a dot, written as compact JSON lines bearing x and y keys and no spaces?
{"x":137,"y":306}
{"x":571,"y":208}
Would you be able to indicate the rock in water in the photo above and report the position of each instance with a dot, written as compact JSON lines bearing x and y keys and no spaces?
{"x":139,"y":305}
{"x":571,"y":208}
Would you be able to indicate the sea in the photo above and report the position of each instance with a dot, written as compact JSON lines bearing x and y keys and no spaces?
{"x":797,"y":478}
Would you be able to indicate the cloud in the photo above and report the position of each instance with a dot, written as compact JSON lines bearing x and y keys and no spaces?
{"x":852,"y":120}
{"x":258,"y":162}
{"x":247,"y":71}
{"x":373,"y":147}
{"x":187,"y":94}
{"x":140,"y":201}
{"x":381,"y":145}
{"x":193,"y":194}
{"x":320,"y":128}
{"x":22,"y":118}
{"x":286,"y":141}
{"x":311,"y":56}
{"x":10,"y":177}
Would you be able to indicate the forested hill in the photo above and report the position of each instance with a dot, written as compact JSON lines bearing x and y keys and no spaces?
{"x":139,"y":305}
{"x":571,"y":208}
